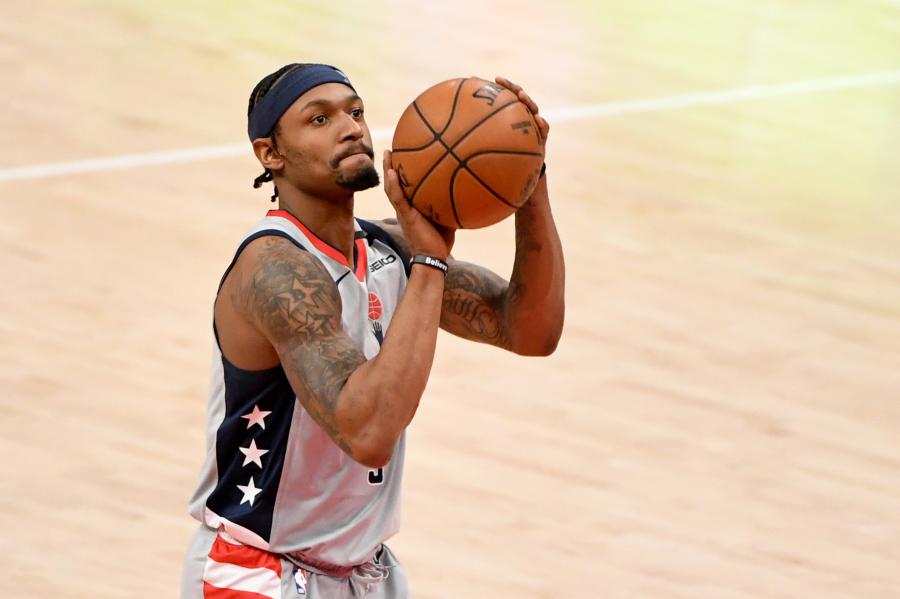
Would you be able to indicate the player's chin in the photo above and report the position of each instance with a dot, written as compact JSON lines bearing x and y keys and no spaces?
{"x":358,"y":176}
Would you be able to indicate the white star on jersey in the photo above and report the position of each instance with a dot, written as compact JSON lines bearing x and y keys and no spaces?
{"x":257,"y":416}
{"x":253,"y":453}
{"x":250,"y":492}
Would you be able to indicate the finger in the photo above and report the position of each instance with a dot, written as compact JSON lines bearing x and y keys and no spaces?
{"x":395,"y":195}
{"x":391,"y":180}
{"x":386,"y":163}
{"x":391,"y":186}
{"x":543,"y":126}
{"x":519,"y":91}
{"x":508,"y":84}
{"x":526,"y":99}
{"x":385,"y":167}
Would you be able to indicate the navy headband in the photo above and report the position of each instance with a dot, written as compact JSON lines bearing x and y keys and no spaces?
{"x":294,"y":84}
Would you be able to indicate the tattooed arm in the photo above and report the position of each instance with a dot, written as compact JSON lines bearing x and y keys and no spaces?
{"x":285,"y":308}
{"x":525,"y":315}
{"x":287,"y":298}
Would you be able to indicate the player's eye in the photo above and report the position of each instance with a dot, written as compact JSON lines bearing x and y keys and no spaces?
{"x":319,"y":119}
{"x":357,"y":113}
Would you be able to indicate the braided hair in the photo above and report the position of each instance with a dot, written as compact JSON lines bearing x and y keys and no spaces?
{"x":261,"y":89}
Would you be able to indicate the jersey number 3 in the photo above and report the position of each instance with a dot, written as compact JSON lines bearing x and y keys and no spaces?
{"x":376,"y":477}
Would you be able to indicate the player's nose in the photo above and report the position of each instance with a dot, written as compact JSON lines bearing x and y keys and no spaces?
{"x":352,"y":129}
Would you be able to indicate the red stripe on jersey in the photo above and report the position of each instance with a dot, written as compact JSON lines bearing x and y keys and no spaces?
{"x":211,"y":592}
{"x":244,"y":556}
{"x":323,"y":246}
{"x":326,"y":248}
{"x":362,"y":259}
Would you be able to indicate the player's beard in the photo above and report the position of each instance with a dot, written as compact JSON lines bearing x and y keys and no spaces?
{"x":364,"y":178}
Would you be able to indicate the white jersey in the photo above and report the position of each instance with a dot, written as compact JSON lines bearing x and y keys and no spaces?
{"x":273,"y":478}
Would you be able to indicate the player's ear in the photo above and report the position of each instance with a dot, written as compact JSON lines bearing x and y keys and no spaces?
{"x":267,"y":154}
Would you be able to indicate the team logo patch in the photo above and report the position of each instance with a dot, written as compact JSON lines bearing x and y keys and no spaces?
{"x":375,"y":312}
{"x":375,"y":309}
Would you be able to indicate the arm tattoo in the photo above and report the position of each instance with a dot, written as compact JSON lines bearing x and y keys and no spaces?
{"x":289,"y":297}
{"x":297,"y":306}
{"x":477,"y":302}
{"x":473,"y":304}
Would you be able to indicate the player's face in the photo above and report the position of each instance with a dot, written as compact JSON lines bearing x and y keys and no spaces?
{"x":326,"y":143}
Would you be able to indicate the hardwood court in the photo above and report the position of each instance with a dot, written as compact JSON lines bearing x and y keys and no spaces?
{"x":721,"y":418}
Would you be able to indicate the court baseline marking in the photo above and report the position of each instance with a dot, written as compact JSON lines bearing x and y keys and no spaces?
{"x":709,"y":98}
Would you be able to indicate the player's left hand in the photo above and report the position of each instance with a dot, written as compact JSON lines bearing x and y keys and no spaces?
{"x":543,"y":125}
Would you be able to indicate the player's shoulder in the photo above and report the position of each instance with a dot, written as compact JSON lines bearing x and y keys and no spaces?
{"x":275,"y":260}
{"x":271,"y":245}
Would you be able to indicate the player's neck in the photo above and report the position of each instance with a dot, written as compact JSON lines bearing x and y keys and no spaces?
{"x":330,"y":219}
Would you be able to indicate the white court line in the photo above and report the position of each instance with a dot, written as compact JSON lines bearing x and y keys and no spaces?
{"x":875,"y":79}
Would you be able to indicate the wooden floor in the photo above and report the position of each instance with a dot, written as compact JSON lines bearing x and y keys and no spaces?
{"x":722,"y":418}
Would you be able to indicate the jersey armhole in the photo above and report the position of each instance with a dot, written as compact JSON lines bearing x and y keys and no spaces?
{"x":237,"y":254}
{"x":373,"y":231}
{"x":248,"y":241}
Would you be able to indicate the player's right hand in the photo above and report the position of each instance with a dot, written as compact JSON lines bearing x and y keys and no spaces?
{"x":424,"y":236}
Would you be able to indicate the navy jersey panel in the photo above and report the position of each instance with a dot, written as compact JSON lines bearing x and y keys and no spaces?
{"x":247,"y":426}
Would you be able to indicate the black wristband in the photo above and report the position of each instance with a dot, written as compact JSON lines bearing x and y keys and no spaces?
{"x":543,"y":170}
{"x":430,"y":261}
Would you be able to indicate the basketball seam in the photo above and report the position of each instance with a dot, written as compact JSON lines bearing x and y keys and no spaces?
{"x":488,"y":187}
{"x":443,"y":143}
{"x":434,"y":132}
{"x":453,"y":107}
{"x":427,"y":124}
{"x":453,"y":197}
{"x":481,"y":122}
{"x":436,"y":162}
{"x":417,"y":149}
{"x":449,"y":150}
{"x":465,"y":165}
{"x":519,"y":152}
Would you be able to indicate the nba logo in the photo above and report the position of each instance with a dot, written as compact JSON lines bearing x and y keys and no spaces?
{"x":300,"y":581}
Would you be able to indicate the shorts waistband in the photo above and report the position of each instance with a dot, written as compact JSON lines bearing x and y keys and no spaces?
{"x":298,"y":558}
{"x":310,"y":564}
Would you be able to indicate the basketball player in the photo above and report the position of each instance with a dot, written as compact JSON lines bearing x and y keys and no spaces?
{"x":325,"y":329}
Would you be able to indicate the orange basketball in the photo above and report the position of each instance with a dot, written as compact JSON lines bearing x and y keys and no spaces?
{"x":467,"y":153}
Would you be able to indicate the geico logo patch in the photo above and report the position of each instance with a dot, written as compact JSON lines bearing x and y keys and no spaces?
{"x":378,"y":264}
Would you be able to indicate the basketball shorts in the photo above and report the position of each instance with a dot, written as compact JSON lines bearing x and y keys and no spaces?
{"x":218,"y":567}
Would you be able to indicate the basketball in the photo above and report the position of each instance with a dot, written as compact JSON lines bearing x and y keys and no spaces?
{"x":467,"y":153}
